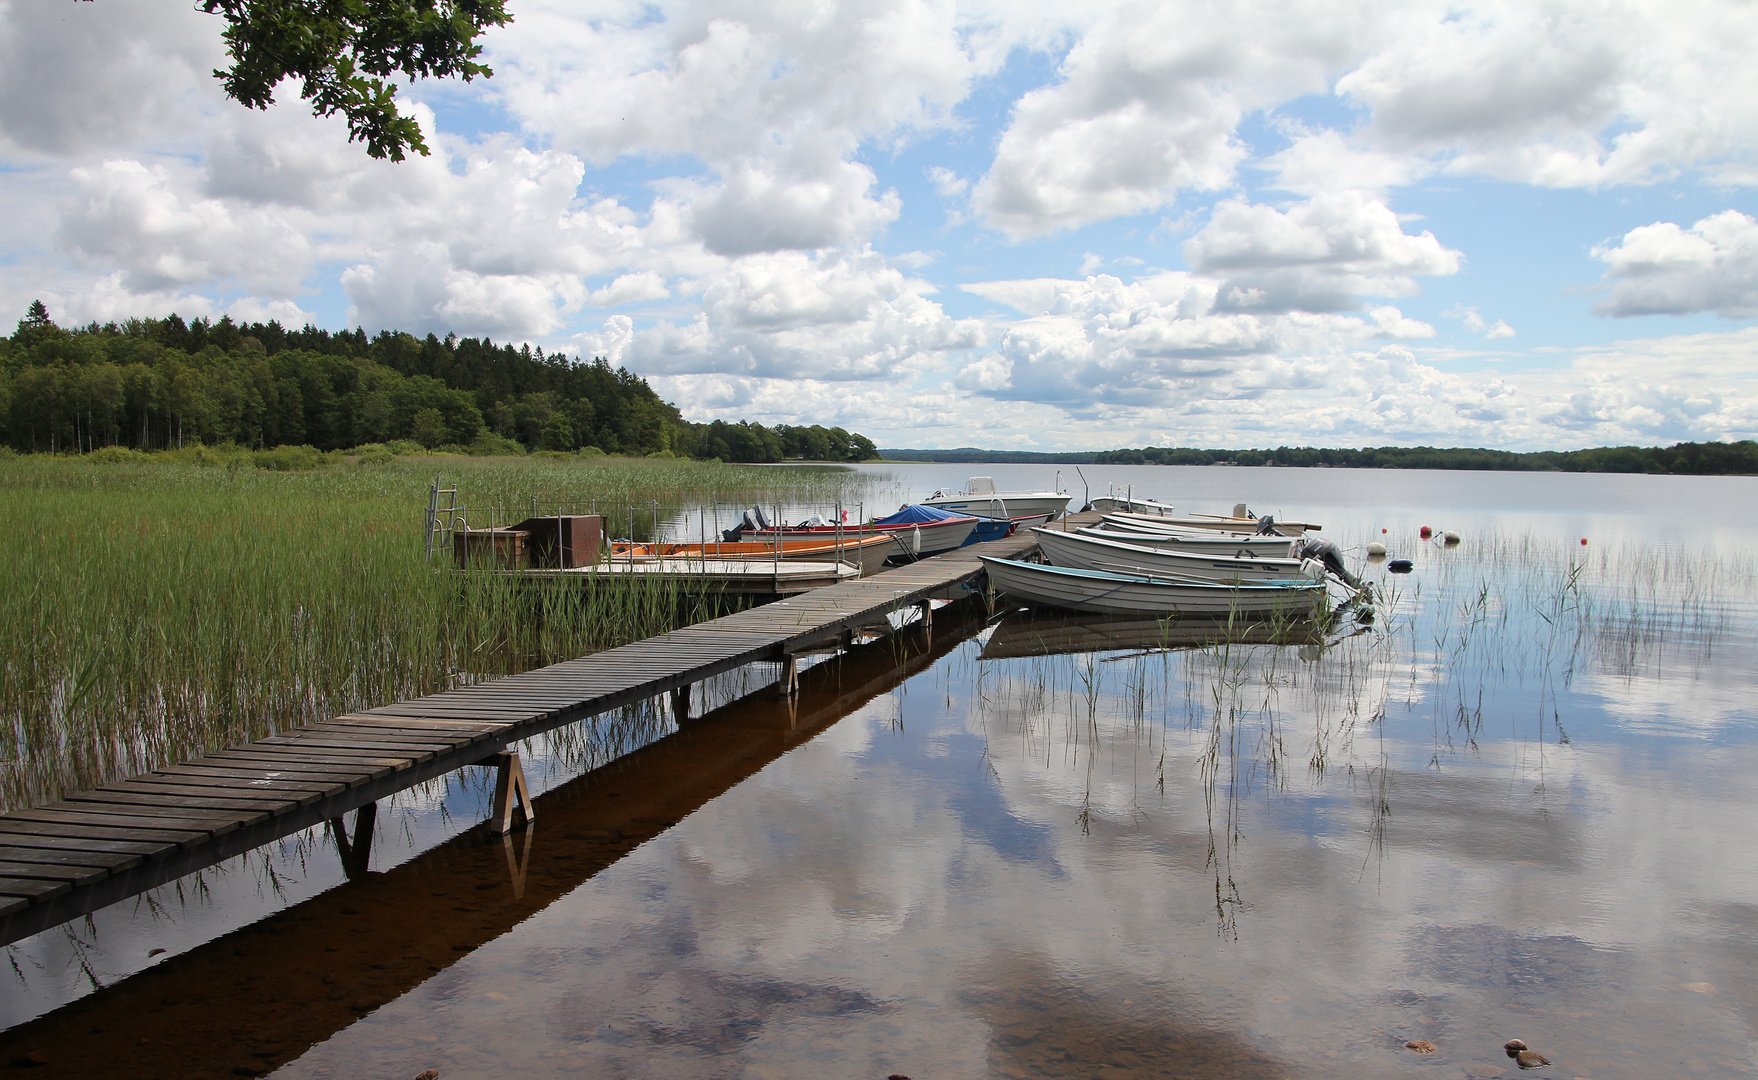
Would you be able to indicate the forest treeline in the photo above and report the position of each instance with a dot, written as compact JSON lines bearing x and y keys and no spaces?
{"x":154,"y":384}
{"x":1696,"y":459}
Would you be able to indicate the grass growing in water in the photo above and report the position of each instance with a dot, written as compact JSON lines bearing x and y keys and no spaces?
{"x":158,"y":610}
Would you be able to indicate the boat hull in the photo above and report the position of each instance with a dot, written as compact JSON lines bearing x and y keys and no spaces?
{"x":1037,"y":585}
{"x":1090,"y":553}
{"x":1222,"y":524}
{"x":910,"y":542}
{"x":1199,"y":543}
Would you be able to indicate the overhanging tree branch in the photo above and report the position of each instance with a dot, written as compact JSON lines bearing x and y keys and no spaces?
{"x":344,"y":53}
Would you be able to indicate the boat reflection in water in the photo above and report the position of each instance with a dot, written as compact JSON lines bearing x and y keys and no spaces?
{"x":1046,"y":632}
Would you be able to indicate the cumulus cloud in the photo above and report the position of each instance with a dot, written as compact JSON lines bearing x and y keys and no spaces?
{"x":836,"y":315}
{"x":1662,"y":269}
{"x":1148,"y":103}
{"x":1321,"y":255}
{"x":1564,"y":94}
{"x":74,"y":77}
{"x":1477,"y":324}
{"x":774,"y":101}
{"x":1158,"y":341}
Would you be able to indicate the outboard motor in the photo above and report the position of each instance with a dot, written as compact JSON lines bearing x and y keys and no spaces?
{"x":1326,"y":552}
{"x":754,"y":521}
{"x":1266,"y":525}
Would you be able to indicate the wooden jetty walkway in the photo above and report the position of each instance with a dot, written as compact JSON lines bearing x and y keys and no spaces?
{"x":96,"y":847}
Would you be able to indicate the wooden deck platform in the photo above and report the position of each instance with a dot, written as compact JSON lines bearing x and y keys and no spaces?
{"x":96,"y":847}
{"x":783,"y":577}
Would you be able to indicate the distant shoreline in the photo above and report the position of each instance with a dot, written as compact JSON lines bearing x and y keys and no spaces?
{"x":1680,"y":459}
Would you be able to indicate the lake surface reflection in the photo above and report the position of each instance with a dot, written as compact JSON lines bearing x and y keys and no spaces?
{"x":1516,"y":803}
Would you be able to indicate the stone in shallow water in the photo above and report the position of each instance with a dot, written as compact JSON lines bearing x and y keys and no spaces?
{"x":1421,"y":1046}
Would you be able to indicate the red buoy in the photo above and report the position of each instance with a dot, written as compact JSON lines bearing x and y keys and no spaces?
{"x":1583,"y":541}
{"x":1426,"y":532}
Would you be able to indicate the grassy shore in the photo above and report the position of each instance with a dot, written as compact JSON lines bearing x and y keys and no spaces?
{"x":156,"y":609}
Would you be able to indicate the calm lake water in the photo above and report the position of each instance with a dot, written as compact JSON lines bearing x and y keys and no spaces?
{"x":1516,"y":804}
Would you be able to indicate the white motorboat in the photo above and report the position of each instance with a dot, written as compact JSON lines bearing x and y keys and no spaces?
{"x":981,"y":499}
{"x":1035,"y":584}
{"x":1212,"y":522}
{"x":1199,"y":541}
{"x":1093,"y":553}
{"x":1125,"y":502}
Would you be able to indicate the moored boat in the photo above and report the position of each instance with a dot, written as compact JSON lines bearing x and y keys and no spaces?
{"x":1035,"y":584}
{"x":1127,"y":503}
{"x":1094,"y":553}
{"x":1212,"y":522}
{"x":1199,"y":541}
{"x":916,"y":531}
{"x":982,"y":499}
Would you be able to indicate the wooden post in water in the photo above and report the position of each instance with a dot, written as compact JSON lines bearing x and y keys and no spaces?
{"x":509,"y":788}
{"x":680,"y":703}
{"x":790,"y":676}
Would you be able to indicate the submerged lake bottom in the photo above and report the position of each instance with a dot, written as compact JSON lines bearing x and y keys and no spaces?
{"x":1515,"y":803}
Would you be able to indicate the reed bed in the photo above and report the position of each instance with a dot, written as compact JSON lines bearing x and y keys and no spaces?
{"x":154,"y":611}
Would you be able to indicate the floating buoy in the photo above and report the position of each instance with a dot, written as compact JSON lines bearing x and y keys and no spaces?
{"x":1382,"y":532}
{"x":1400,"y":566}
{"x":1583,"y":541}
{"x":1449,"y":538}
{"x":1425,"y":532}
{"x":1376,"y":550}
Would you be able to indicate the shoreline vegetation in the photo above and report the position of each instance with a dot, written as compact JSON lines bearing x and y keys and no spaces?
{"x":161,"y":610}
{"x":163,"y":384}
{"x":1682,"y":459}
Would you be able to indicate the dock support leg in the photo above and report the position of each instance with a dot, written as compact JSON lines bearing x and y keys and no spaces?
{"x":680,"y":703}
{"x":356,"y":852}
{"x":509,"y":789}
{"x":790,"y":676}
{"x":927,"y":609}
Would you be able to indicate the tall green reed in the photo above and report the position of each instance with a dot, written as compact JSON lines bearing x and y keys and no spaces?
{"x":156,"y":611}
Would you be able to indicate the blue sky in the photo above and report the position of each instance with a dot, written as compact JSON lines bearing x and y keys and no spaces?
{"x":1000,"y":224}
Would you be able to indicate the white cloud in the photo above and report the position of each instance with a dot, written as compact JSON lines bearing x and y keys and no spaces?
{"x":1661,"y":269}
{"x":1476,"y":324}
{"x":833,"y":315}
{"x":1321,"y":255}
{"x":1534,"y":92}
{"x":630,"y":289}
{"x":77,"y":77}
{"x":147,"y":222}
{"x":753,"y":210}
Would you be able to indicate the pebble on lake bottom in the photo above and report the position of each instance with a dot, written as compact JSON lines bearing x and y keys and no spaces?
{"x":428,"y":1074}
{"x":1421,"y":1046}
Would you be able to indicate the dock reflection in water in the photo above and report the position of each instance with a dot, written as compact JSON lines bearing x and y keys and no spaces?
{"x":1518,"y":807}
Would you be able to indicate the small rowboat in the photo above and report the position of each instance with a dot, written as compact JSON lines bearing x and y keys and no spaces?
{"x":1037,"y":585}
{"x":1092,"y":553}
{"x":868,"y":553}
{"x":916,"y":531}
{"x":1197,"y":542}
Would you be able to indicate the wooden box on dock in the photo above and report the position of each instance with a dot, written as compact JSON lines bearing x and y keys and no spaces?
{"x":565,"y":541}
{"x":499,"y":549}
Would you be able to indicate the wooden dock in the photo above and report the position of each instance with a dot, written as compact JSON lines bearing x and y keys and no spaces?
{"x":96,"y":847}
